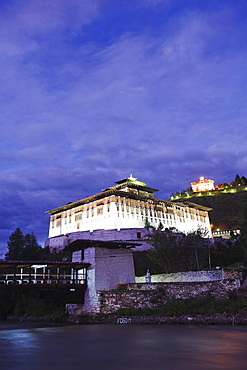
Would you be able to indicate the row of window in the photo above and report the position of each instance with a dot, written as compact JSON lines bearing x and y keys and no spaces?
{"x":167,"y":219}
{"x":142,"y":211}
{"x":132,"y":207}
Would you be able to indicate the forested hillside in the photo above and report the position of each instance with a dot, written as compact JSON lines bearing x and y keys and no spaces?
{"x":227,"y":208}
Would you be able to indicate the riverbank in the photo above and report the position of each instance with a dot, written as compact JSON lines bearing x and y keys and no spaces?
{"x":213,"y":319}
{"x":216,"y":319}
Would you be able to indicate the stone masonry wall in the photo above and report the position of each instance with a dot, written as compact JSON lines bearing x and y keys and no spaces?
{"x":153,"y":295}
{"x":232,"y":274}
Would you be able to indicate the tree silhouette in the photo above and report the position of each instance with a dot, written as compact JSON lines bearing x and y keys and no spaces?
{"x":32,"y":249}
{"x":175,"y":251}
{"x":15,"y":245}
{"x":23,"y":247}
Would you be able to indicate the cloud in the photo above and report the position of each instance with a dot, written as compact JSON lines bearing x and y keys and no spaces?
{"x":153,"y":3}
{"x":77,"y":113}
{"x":39,"y":17}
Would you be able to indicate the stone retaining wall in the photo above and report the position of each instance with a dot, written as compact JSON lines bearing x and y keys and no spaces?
{"x":188,"y":276}
{"x":153,"y":295}
{"x":232,"y":274}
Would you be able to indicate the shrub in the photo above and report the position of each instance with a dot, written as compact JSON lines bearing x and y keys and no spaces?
{"x":6,"y":306}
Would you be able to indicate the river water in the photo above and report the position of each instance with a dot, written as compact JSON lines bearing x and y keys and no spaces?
{"x":118,"y":347}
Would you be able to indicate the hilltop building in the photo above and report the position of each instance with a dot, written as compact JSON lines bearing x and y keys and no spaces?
{"x":202,"y":184}
{"x":121,"y":212}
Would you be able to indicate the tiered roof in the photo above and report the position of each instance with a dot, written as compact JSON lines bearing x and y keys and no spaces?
{"x":128,"y":188}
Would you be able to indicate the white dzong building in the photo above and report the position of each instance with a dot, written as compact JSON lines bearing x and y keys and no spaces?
{"x":202,"y":184}
{"x":121,"y":212}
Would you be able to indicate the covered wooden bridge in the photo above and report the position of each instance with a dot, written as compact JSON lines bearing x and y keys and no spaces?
{"x":23,"y":272}
{"x":63,"y":281}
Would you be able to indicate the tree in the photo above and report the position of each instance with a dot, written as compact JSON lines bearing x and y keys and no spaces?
{"x":165,"y":248}
{"x":32,"y":250}
{"x":15,"y":245}
{"x":238,"y":181}
{"x":198,"y":240}
{"x":23,"y":247}
{"x":147,"y":224}
{"x":243,"y":180}
{"x":26,"y":248}
{"x":227,"y":252}
{"x":175,"y":251}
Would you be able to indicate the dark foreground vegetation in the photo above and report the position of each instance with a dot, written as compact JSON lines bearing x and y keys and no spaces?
{"x":35,"y":308}
{"x":26,"y":248}
{"x":18,"y":304}
{"x":175,"y":253}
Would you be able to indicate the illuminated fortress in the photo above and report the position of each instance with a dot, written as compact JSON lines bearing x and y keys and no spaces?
{"x":121,"y":212}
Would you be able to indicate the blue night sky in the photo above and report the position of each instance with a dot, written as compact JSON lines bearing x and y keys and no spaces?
{"x":92,"y":91}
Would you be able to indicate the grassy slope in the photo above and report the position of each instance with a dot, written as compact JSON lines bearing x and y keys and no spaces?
{"x":227,"y":208}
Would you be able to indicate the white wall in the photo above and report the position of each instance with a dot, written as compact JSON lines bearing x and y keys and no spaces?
{"x":117,"y":216}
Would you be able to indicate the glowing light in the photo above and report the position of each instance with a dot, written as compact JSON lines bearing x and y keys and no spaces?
{"x":38,"y":266}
